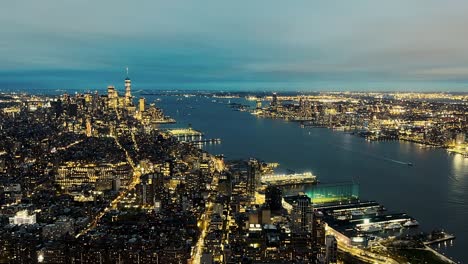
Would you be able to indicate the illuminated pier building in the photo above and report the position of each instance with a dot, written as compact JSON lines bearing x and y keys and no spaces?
{"x":289,"y":179}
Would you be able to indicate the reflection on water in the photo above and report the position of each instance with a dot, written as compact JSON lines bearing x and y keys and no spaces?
{"x":458,"y":182}
{"x":434,"y":190}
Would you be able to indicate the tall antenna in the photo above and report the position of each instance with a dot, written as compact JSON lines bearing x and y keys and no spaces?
{"x":127,"y":71}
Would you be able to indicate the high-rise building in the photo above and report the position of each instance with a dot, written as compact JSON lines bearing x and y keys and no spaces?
{"x":57,"y":107}
{"x":331,"y":249}
{"x":259,"y":104}
{"x":128,"y":91}
{"x":302,"y":213}
{"x":88,"y":128}
{"x":253,"y":177}
{"x":73,"y":109}
{"x":318,"y":230}
{"x":460,"y":138}
{"x":112,"y":97}
{"x":273,"y":198}
{"x":116,"y":184}
{"x":150,"y":189}
{"x":274,"y":101}
{"x":141,"y":105}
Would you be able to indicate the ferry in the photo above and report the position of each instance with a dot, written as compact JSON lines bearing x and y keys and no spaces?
{"x":411,"y":223}
{"x":393,"y":226}
{"x":371,"y":229}
{"x":371,"y":211}
{"x":357,"y":213}
{"x":342,"y":217}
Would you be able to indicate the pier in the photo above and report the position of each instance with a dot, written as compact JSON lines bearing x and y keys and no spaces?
{"x":186,"y":134}
{"x":289,"y":179}
{"x":447,"y":237}
{"x":182,"y":132}
{"x":210,"y":140}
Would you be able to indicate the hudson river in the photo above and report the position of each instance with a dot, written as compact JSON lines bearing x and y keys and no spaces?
{"x":434,"y":190}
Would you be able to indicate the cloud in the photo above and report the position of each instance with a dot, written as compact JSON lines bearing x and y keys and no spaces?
{"x":308,"y":43}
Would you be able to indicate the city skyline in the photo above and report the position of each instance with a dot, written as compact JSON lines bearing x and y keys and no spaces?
{"x":213,"y":132}
{"x":323,"y":46}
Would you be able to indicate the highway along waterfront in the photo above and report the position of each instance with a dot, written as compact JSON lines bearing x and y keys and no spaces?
{"x":434,"y":190}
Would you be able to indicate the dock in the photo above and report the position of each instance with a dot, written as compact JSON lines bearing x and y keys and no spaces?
{"x":289,"y":179}
{"x":210,"y":140}
{"x":447,"y":237}
{"x":184,"y":132}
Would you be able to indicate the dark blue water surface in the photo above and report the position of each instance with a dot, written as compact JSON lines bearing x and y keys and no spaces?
{"x":434,"y":190}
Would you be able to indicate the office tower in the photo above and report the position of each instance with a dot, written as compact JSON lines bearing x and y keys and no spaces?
{"x":128,"y":91}
{"x":151,"y":189}
{"x":141,"y":104}
{"x":274,"y":101}
{"x":57,"y":107}
{"x":88,"y":127}
{"x":73,"y":109}
{"x":460,"y":138}
{"x":110,"y":91}
{"x":253,"y":176}
{"x":112,"y":97}
{"x":273,"y":198}
{"x":331,"y":249}
{"x":302,"y":213}
{"x":116,"y":184}
{"x":266,"y":215}
{"x":259,"y":104}
{"x":318,"y":229}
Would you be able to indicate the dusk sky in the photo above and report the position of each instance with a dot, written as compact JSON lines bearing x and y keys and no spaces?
{"x":243,"y":45}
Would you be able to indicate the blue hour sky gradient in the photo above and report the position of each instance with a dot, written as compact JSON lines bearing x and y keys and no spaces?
{"x":241,"y":45}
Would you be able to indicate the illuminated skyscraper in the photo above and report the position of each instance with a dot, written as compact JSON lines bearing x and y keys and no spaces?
{"x":302,"y":213}
{"x":112,"y":97}
{"x":274,"y":101}
{"x":253,"y":177}
{"x":128,"y":91}
{"x":88,"y":128}
{"x":259,"y":104}
{"x":141,"y":104}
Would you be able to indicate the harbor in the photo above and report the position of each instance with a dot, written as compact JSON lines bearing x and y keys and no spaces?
{"x":192,"y":136}
{"x":320,"y":150}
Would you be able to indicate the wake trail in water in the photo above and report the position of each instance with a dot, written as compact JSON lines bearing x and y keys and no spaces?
{"x":372,"y":155}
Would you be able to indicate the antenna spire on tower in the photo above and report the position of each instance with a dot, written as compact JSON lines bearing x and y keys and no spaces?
{"x":127,"y":70}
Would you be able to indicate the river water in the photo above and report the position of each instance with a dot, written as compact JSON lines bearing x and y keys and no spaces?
{"x":434,"y":190}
